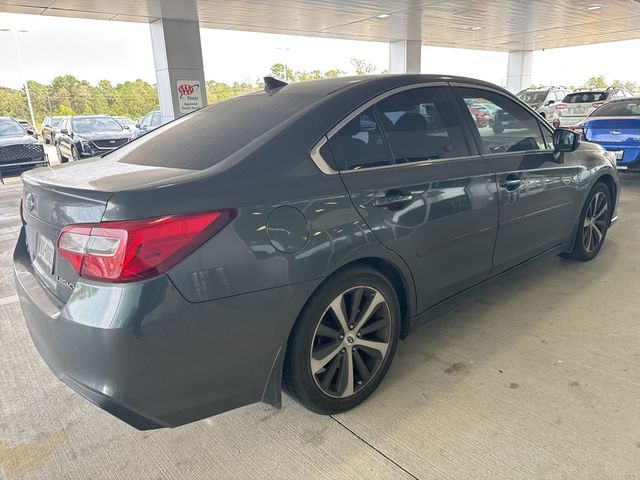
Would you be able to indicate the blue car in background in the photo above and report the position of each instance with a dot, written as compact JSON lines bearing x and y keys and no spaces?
{"x":616,"y":127}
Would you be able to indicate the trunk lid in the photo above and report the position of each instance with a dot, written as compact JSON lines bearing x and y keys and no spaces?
{"x":625,"y":131}
{"x":70,"y":194}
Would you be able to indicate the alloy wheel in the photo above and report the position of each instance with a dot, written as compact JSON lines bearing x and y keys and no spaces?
{"x":350,"y":342}
{"x":595,"y":222}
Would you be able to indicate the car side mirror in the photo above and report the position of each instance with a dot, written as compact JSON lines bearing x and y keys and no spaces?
{"x":138,"y":125}
{"x":64,"y":131}
{"x":126,"y":127}
{"x":564,"y":141}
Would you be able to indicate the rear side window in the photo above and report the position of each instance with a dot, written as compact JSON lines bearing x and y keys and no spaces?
{"x":512,"y":129}
{"x":586,"y":97}
{"x":421,"y":124}
{"x":360,"y":143}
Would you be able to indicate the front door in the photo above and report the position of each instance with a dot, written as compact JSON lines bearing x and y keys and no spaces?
{"x":421,"y":187}
{"x":539,"y":198}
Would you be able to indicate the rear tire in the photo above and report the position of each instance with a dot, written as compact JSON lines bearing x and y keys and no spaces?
{"x":60,"y":157}
{"x":592,"y":224}
{"x":343,"y":342}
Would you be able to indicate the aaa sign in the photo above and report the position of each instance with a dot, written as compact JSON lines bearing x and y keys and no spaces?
{"x":189,"y":95}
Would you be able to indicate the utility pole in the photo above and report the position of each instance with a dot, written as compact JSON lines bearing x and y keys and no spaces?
{"x":24,"y":78}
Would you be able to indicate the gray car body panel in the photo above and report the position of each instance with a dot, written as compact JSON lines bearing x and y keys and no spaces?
{"x":210,"y":334}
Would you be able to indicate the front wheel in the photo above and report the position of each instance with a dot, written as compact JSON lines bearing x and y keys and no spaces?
{"x":344,"y":341}
{"x":593,"y":224}
{"x":74,"y":154}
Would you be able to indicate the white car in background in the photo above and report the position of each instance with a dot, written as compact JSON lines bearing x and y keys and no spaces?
{"x":580,"y":103}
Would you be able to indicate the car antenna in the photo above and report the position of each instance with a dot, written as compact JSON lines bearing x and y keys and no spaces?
{"x":272,"y":85}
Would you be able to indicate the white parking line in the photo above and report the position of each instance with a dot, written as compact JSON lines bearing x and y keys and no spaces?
{"x":8,"y":300}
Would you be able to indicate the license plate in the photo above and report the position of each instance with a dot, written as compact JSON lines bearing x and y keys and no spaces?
{"x":578,"y":110}
{"x":618,"y":153}
{"x":45,"y":253}
{"x":503,"y":123}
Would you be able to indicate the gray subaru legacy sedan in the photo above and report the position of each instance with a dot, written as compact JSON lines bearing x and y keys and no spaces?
{"x":289,"y":238}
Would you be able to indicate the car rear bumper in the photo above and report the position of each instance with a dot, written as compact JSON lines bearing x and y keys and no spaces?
{"x":143,"y":353}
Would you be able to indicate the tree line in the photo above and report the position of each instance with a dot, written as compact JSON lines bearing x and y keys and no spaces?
{"x":68,"y":95}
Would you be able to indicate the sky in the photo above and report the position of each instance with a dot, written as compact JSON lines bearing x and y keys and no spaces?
{"x":118,"y":51}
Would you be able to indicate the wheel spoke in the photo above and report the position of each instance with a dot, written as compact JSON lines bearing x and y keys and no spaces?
{"x":363,"y":370}
{"x":373,"y":326}
{"x":337,"y":307}
{"x":379,"y":347}
{"x":598,"y":234}
{"x":601,"y":212}
{"x":372,"y":306}
{"x":331,"y":371}
{"x":345,"y":382}
{"x":356,"y":299}
{"x":322,"y":356}
{"x":326,"y":331}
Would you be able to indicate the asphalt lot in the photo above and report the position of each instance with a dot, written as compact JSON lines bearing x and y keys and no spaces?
{"x":538,"y":378}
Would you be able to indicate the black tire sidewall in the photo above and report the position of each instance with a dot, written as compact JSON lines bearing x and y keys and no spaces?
{"x":298,"y":378}
{"x":579,"y":251}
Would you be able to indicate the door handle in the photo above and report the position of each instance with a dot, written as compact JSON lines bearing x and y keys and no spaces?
{"x":392,"y":200}
{"x":511,"y":183}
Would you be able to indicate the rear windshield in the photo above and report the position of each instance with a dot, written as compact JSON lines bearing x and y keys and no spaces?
{"x":586,"y":97}
{"x":208,"y":136}
{"x":628,"y":108}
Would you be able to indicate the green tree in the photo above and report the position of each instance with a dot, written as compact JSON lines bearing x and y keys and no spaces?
{"x":362,"y":66}
{"x":597,"y":82}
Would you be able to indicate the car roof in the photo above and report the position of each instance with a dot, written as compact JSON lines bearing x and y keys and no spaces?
{"x":328,"y":86}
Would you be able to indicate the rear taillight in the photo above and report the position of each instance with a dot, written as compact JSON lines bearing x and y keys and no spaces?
{"x":21,"y":211}
{"x":597,"y":104}
{"x":561,"y":106}
{"x":131,"y":250}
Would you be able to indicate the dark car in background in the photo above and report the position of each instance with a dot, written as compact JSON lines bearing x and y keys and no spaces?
{"x":88,"y":136}
{"x":49,"y":129}
{"x":149,"y":122}
{"x":616,"y":127}
{"x":291,"y":237}
{"x":19,"y":151}
{"x":28,"y":127}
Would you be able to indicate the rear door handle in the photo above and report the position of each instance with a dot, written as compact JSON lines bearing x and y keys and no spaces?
{"x":511,"y":183}
{"x":393,"y":200}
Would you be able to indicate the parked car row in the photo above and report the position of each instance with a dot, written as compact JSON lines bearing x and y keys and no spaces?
{"x":84,"y":136}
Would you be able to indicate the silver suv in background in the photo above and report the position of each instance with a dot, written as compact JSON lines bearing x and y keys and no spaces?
{"x":544,"y":99}
{"x":580,"y":103}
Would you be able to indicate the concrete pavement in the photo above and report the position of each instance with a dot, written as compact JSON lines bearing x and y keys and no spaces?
{"x":538,"y":378}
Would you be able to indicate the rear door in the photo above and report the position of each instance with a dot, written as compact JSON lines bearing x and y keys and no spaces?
{"x":417,"y":181}
{"x":539,"y":198}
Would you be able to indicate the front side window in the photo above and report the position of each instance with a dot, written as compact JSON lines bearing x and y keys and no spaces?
{"x":421,"y":124}
{"x":512,"y":129}
{"x":360,"y":143}
{"x":156,"y":120}
{"x":146,"y":121}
